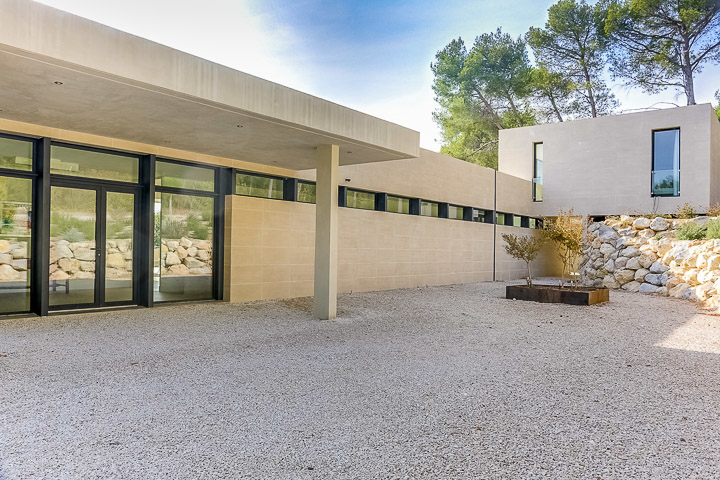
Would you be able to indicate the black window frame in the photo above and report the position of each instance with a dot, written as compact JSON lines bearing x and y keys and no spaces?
{"x":652,"y":161}
{"x":533,"y":184}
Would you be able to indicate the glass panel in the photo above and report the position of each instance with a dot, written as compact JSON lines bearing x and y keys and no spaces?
{"x":15,"y":211}
{"x":120,"y":210}
{"x":666,"y":163}
{"x":500,"y":218}
{"x":357,"y":199}
{"x":532,"y":223}
{"x":15,"y":154}
{"x":538,"y":172}
{"x":72,"y":246}
{"x":183,"y":247}
{"x":428,"y":209}
{"x":306,"y":192}
{"x":89,"y":164}
{"x":398,"y":204}
{"x":478,"y":215}
{"x":455,"y":212}
{"x":517,"y":221}
{"x":255,"y":186}
{"x":183,"y":176}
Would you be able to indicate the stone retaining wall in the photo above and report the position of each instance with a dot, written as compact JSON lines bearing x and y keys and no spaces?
{"x":644,"y":255}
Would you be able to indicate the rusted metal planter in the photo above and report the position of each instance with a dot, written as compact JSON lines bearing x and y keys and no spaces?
{"x":552,"y":294}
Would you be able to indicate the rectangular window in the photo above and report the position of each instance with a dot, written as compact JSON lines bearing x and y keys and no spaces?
{"x":455,"y":212}
{"x":259,"y":186}
{"x":93,"y":164}
{"x":177,"y":175}
{"x":666,"y":163}
{"x":359,"y":199}
{"x":500,"y":218}
{"x":306,"y":192}
{"x":16,"y":154}
{"x":532,"y":223}
{"x":478,"y":215}
{"x":428,"y":209}
{"x":517,"y":221}
{"x":537,"y":172}
{"x":398,"y":204}
{"x":15,"y":212}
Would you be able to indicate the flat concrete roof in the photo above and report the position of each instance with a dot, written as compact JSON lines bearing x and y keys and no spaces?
{"x":122,"y":86}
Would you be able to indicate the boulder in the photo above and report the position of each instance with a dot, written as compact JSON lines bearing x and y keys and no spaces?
{"x":664,"y":246}
{"x":679,"y":290}
{"x":641,"y":223}
{"x":672,"y":282}
{"x":609,"y":265}
{"x":610,"y":282}
{"x":658,"y":267}
{"x":630,"y":252}
{"x":633,"y":263}
{"x":691,"y":276}
{"x":680,"y":251}
{"x":204,"y":255}
{"x":700,"y":221}
{"x":702,"y":292}
{"x":626,"y":220}
{"x":85,"y":254}
{"x":624,"y":276}
{"x":631,"y":286}
{"x":621,"y":262}
{"x":8,"y":274}
{"x":181,"y":252}
{"x":653,"y":278}
{"x":713,"y":262}
{"x":116,"y":260}
{"x":204,"y":245}
{"x":607,"y":249}
{"x":5,"y":246}
{"x":193,"y":263}
{"x":647,"y":259}
{"x":201,"y":271}
{"x":69,"y":264}
{"x":662,"y":291}
{"x":186,"y":243}
{"x":659,"y":224}
{"x":60,"y":251}
{"x":172,"y":245}
{"x":178,"y":270}
{"x":5,"y":258}
{"x":640,"y":274}
{"x":172,"y":259}
{"x":192,"y":251}
{"x":87,"y":266}
{"x":648,"y":288}
{"x":707,"y":276}
{"x":59,"y":275}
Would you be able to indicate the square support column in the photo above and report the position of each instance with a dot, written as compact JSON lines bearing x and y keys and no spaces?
{"x":326,"y":232}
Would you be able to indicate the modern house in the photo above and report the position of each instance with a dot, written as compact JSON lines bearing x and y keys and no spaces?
{"x":135,"y":174}
{"x":636,"y":163}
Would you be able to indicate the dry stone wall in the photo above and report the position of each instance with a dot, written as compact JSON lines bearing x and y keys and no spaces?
{"x":644,"y":255}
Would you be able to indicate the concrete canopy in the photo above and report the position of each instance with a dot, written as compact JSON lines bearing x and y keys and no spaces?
{"x":64,"y":71}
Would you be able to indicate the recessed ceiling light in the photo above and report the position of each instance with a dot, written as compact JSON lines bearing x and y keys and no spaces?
{"x":58,"y":83}
{"x":348,"y":151}
{"x":239,"y":126}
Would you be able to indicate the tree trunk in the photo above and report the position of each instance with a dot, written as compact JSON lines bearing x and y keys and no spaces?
{"x":688,"y":82}
{"x":555,"y":108}
{"x":590,"y":94}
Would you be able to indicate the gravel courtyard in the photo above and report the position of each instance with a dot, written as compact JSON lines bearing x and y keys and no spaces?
{"x":438,"y":382}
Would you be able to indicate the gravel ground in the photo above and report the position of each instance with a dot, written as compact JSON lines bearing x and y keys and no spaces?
{"x":439,"y":382}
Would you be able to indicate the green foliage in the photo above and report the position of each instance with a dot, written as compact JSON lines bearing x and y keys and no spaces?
{"x":73,"y":235}
{"x":685,"y":211}
{"x":662,"y":43}
{"x":525,"y":248}
{"x":691,"y":231}
{"x":157,"y":237}
{"x":552,"y":95}
{"x":713,"y":229}
{"x":717,"y":107}
{"x":572,"y":46}
{"x":174,"y":229}
{"x":61,"y":223}
{"x":197,"y":228}
{"x":119,"y":228}
{"x":713,"y":210}
{"x":481,"y":92}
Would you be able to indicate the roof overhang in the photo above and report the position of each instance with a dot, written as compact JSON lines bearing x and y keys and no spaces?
{"x":63,"y":71}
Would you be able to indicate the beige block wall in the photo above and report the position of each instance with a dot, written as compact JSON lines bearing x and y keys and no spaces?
{"x":509,"y":268}
{"x":602,"y":165}
{"x":269,"y":250}
{"x":714,"y":159}
{"x":514,"y":195}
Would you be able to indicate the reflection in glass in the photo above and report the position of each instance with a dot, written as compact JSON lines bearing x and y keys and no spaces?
{"x":478,"y":215}
{"x":306,"y":192}
{"x":398,"y":204}
{"x":176,"y":175}
{"x":455,"y":212}
{"x":91,"y":164}
{"x":15,"y":211}
{"x":538,"y":172}
{"x":517,"y":221}
{"x":16,"y":154}
{"x":500,"y":218}
{"x":362,"y":200}
{"x":120,"y":209}
{"x":183,"y":247}
{"x":257,"y":186}
{"x":666,"y":163}
{"x":428,"y":209}
{"x":72,"y":246}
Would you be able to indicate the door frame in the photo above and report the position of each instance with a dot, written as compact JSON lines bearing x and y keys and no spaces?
{"x":101,"y":189}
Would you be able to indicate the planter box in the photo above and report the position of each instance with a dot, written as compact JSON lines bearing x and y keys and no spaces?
{"x":551,"y":294}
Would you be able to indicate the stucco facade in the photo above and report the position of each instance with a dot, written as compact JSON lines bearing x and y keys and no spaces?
{"x":602,"y":166}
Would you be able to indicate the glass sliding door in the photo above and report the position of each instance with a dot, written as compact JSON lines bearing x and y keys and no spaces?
{"x":183,"y":247}
{"x":119,"y":232}
{"x":73,"y":254}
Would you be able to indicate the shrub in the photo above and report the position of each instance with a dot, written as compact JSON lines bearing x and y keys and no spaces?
{"x":713,"y":229}
{"x":61,"y":223}
{"x":174,"y":229}
{"x":197,"y":227}
{"x":691,"y":231}
{"x":73,"y":235}
{"x":566,"y":233}
{"x":524,"y":248}
{"x":714,"y":210}
{"x":685,"y":211}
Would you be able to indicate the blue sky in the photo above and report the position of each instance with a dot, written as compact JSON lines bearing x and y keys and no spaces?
{"x":371,"y":55}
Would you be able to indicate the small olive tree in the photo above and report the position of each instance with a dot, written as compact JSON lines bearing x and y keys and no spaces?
{"x":566,"y":232}
{"x":524,"y":248}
